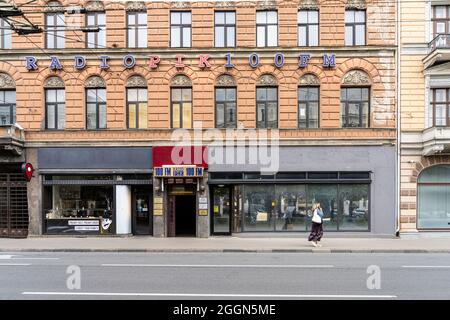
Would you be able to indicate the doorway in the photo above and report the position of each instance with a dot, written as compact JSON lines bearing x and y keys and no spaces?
{"x":182,"y":216}
{"x":142,"y":211}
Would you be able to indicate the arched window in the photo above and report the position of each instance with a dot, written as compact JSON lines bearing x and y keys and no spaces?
{"x":96,"y":18}
{"x":355,"y":100}
{"x":225,"y":98}
{"x":54,"y":24}
{"x":137,"y":111}
{"x":181,"y":102}
{"x":7,"y":99}
{"x":95,"y":103}
{"x":55,"y":103}
{"x":308,"y":102}
{"x":434,"y":198}
{"x":267,"y":102}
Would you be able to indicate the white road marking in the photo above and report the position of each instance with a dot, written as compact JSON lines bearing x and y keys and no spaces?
{"x":427,"y":267}
{"x":5,"y":256}
{"x":216,"y":265}
{"x":14,"y":257}
{"x":15,"y":264}
{"x":217,"y":295}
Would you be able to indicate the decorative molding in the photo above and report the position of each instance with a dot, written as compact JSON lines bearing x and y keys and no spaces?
{"x":6,"y":82}
{"x":356,"y":4}
{"x":309,"y":5}
{"x":267,"y":80}
{"x":95,"y":82}
{"x":266,"y":4}
{"x":95,"y":6}
{"x":225,"y":4}
{"x":225,"y":80}
{"x":136,"y":82}
{"x":54,"y":6}
{"x":181,"y":81}
{"x":54,"y":82}
{"x":309,"y":80}
{"x":356,"y":78}
{"x":136,"y":6}
{"x":180,"y":4}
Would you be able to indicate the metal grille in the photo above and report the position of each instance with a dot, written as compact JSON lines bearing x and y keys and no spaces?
{"x":13,"y":206}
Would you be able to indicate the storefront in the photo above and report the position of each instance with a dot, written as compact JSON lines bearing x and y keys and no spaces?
{"x":96,"y":191}
{"x":358,"y":200}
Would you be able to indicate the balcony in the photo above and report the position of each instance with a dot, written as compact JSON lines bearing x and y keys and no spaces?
{"x":439,"y":50}
{"x":12,"y":140}
{"x":436,"y":140}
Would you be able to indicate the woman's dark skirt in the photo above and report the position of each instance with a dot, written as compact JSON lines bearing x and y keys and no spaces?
{"x":316,"y":232}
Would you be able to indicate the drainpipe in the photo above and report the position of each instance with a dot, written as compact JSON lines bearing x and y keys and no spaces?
{"x":398,"y":114}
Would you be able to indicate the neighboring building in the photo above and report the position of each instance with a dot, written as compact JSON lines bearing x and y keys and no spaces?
{"x":425,"y":116}
{"x":98,"y":130}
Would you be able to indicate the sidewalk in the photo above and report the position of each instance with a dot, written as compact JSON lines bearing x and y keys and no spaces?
{"x":226,"y":244}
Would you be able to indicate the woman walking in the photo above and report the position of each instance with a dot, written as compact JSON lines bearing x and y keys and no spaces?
{"x":316,"y":228}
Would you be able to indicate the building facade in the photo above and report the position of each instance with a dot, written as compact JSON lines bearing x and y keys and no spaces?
{"x":424,"y":93}
{"x":97,"y":103}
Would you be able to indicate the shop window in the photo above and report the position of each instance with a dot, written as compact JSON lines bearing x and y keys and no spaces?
{"x":225,"y":29}
{"x":354,"y":207}
{"x":5,"y":35}
{"x":55,"y":25}
{"x":308,"y":28}
{"x":78,"y":209}
{"x":308,"y":107}
{"x":355,"y":27}
{"x":292,"y":211}
{"x":267,"y":107}
{"x":434,"y":198}
{"x":96,"y":39}
{"x":137,"y":29}
{"x":266,"y":28}
{"x":137,"y":108}
{"x":326,"y":195}
{"x":258,"y":207}
{"x":322,"y":175}
{"x":7,"y":107}
{"x":180,"y":29}
{"x":55,"y":109}
{"x":355,"y":107}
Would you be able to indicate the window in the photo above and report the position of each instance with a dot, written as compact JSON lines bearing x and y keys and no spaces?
{"x":225,"y":107}
{"x":441,"y":20}
{"x":355,"y":27}
{"x":355,"y":107}
{"x":180,"y":29}
{"x":308,"y":28}
{"x":54,"y":108}
{"x":137,"y":29}
{"x":439,"y":107}
{"x":7,"y":107}
{"x":182,"y":108}
{"x":266,"y":29}
{"x":308,"y":107}
{"x":54,"y":24}
{"x":96,"y":39}
{"x":267,"y":107}
{"x":225,"y":29}
{"x":137,"y":108}
{"x":96,"y":108}
{"x":5,"y":35}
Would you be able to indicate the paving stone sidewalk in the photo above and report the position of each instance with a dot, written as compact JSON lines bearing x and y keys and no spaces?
{"x":414,"y":244}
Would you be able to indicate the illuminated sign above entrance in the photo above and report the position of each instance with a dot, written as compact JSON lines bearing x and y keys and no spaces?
{"x":129,"y":61}
{"x":180,"y":172}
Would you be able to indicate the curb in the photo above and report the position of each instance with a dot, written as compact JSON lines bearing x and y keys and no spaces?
{"x":305,"y":250}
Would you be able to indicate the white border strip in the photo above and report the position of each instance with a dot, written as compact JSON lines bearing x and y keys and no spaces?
{"x":216,"y":265}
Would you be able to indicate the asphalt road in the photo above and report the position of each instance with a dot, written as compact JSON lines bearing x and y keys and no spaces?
{"x":224,"y":276}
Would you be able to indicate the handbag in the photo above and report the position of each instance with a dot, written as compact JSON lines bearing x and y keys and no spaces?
{"x":316,"y":218}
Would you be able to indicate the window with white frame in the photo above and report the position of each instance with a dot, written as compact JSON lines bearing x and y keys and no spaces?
{"x":266,"y":28}
{"x":308,"y":28}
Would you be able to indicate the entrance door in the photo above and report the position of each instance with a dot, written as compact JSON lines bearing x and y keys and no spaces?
{"x":185,"y":216}
{"x":221,"y":210}
{"x":142,"y":212}
{"x":13,"y":205}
